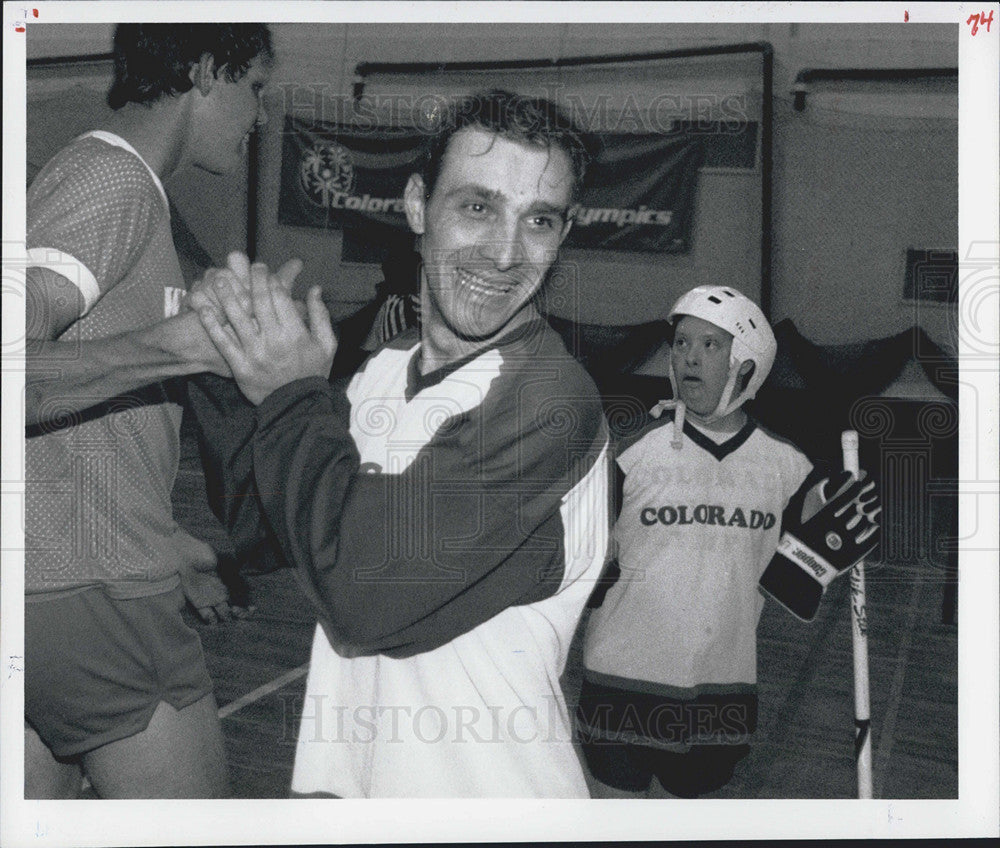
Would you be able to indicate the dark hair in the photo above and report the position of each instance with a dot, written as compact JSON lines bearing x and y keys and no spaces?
{"x":531,"y":120}
{"x":152,"y":60}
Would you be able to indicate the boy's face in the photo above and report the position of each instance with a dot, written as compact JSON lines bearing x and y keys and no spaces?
{"x":225,"y":118}
{"x":491,"y":230}
{"x":700,"y":359}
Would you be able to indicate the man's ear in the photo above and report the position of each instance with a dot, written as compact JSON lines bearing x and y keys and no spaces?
{"x":747,"y":367}
{"x":203,"y":74}
{"x":415,"y":203}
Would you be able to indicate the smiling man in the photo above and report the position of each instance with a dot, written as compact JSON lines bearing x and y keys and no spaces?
{"x":491,"y":222}
{"x":449,"y":515}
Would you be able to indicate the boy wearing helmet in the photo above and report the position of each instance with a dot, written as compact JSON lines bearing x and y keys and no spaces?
{"x":670,"y":659}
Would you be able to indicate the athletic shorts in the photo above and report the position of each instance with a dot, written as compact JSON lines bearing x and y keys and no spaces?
{"x":702,"y":769}
{"x":96,"y":668}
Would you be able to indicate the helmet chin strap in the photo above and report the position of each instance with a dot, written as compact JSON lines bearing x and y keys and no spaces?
{"x":677,"y":405}
{"x":724,"y":408}
{"x":680,"y":409}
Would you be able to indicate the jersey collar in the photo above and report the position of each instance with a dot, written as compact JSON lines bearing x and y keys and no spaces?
{"x":417,"y":382}
{"x":721,"y":450}
{"x":118,"y":141}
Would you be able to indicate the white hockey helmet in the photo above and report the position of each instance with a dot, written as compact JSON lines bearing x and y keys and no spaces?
{"x":753,"y":338}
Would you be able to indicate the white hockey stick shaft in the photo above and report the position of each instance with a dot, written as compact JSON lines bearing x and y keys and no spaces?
{"x":859,"y":640}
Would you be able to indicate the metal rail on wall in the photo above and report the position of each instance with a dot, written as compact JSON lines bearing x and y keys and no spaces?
{"x":807,"y":75}
{"x":60,"y":61}
{"x":367,"y":69}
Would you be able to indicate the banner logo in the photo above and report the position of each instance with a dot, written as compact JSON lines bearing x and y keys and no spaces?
{"x":326,"y":170}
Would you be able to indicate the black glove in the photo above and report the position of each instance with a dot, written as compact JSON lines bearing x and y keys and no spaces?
{"x":812,"y":555}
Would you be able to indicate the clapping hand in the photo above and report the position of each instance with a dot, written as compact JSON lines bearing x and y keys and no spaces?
{"x":237,"y":274}
{"x":259,"y":332}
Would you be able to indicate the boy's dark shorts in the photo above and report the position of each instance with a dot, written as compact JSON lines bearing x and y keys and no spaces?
{"x":703,"y":769}
{"x":691,"y":745}
{"x":96,"y":668}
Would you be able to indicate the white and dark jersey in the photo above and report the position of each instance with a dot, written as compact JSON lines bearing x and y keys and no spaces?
{"x":98,"y":482}
{"x":396,"y":314}
{"x":697,"y":528}
{"x":450,"y":527}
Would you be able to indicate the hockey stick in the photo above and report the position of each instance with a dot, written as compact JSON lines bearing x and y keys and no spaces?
{"x":859,"y":640}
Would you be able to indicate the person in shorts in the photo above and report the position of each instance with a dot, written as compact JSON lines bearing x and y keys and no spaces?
{"x":670,"y":650}
{"x":116,"y":686}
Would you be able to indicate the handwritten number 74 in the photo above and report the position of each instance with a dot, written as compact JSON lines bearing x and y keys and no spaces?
{"x":981,"y":18}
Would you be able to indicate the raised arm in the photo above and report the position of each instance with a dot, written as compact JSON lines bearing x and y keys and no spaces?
{"x":67,"y":374}
{"x":402,"y":562}
{"x":481,"y":520}
{"x":96,"y":224}
{"x":225,"y":419}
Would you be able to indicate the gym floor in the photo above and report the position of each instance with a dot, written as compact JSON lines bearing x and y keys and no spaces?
{"x":804,"y":747}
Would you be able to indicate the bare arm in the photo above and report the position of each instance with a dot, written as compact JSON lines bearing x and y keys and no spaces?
{"x":70,"y":375}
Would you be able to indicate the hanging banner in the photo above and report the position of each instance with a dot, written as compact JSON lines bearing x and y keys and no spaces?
{"x":334,"y":176}
{"x":639,"y":194}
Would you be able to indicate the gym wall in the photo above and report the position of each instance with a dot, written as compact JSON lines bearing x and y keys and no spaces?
{"x":860,"y":174}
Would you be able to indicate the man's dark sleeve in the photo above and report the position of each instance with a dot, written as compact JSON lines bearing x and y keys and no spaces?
{"x":401,"y":563}
{"x":226,"y":424}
